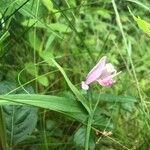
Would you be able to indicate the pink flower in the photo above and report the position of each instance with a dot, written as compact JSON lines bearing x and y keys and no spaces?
{"x":102,"y":72}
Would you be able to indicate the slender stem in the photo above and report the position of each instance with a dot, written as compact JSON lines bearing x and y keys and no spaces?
{"x":44,"y":131}
{"x":88,"y":131}
{"x":34,"y":42}
{"x":89,"y":121}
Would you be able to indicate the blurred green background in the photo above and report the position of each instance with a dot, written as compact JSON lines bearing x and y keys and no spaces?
{"x":77,"y":33}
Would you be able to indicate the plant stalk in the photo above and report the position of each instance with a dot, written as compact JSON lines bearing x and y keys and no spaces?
{"x":89,"y":124}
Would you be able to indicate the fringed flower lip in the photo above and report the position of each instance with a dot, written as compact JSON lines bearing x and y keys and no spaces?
{"x":103,"y":73}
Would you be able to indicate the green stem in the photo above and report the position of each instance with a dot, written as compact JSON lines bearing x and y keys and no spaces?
{"x":88,"y":131}
{"x":44,"y":131}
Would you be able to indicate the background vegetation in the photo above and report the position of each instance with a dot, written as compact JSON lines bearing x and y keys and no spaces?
{"x":46,"y":50}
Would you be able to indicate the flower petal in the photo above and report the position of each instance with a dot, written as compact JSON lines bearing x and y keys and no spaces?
{"x":84,"y":86}
{"x":110,"y":68}
{"x":96,"y":71}
{"x":106,"y":82}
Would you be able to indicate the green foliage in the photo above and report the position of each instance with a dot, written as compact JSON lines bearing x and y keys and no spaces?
{"x":45,"y":101}
{"x":17,"y":118}
{"x":20,"y":122}
{"x":79,"y":96}
{"x":32,"y":69}
{"x":47,"y":47}
{"x":4,"y":4}
{"x":143,"y":25}
{"x":49,"y":5}
{"x":79,"y":139}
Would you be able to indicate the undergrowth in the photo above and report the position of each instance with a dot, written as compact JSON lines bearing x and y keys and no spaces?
{"x":47,"y":47}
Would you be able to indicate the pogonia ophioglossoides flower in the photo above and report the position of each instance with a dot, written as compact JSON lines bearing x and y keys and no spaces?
{"x":102,"y":72}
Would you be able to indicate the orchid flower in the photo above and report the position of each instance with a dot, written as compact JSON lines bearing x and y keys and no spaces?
{"x":102,"y":72}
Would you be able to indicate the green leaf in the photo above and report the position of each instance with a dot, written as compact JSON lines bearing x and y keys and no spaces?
{"x":79,"y":96}
{"x":59,"y":27}
{"x":26,"y":10}
{"x":34,"y":41}
{"x":18,"y":122}
{"x":63,"y":105}
{"x":33,"y":22}
{"x":6,"y":86}
{"x":18,"y":118}
{"x":53,"y":26}
{"x":47,"y":55}
{"x":79,"y":139}
{"x":55,"y":103}
{"x":67,"y":106}
{"x":43,"y":80}
{"x":101,"y":118}
{"x":49,"y":5}
{"x":113,"y":98}
{"x":31,"y":68}
{"x":4,"y":4}
{"x":30,"y":8}
{"x":143,"y":25}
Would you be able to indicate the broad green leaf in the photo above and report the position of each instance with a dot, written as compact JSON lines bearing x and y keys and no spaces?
{"x":18,"y":122}
{"x":113,"y":98}
{"x":55,"y":103}
{"x":67,"y":106}
{"x":3,"y":132}
{"x":105,"y":97}
{"x":63,"y":105}
{"x":18,"y":118}
{"x":101,"y":118}
{"x":79,"y":139}
{"x":6,"y":86}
